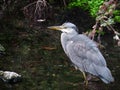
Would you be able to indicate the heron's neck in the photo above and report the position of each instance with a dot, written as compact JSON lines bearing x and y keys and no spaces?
{"x":66,"y":37}
{"x":70,"y":35}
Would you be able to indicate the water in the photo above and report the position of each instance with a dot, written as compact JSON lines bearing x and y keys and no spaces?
{"x":49,"y":68}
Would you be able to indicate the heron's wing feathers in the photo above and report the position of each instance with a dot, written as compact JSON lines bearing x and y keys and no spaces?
{"x":83,"y":50}
{"x":85,"y":55}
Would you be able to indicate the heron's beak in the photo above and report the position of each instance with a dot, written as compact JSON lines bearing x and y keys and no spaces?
{"x":56,"y":27}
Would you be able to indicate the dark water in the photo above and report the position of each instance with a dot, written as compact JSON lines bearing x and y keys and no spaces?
{"x":37,"y":55}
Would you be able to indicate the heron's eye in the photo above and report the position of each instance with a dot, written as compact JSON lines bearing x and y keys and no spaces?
{"x":65,"y":27}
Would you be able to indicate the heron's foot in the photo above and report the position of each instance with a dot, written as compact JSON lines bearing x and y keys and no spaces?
{"x":92,"y":78}
{"x":86,"y":82}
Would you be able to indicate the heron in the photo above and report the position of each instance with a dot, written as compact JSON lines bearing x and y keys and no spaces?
{"x":83,"y":53}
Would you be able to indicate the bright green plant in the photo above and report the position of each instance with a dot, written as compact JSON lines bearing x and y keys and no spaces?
{"x":117,"y":15}
{"x":91,"y":5}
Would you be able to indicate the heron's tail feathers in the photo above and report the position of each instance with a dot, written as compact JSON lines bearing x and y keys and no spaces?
{"x":102,"y":72}
{"x":105,"y":75}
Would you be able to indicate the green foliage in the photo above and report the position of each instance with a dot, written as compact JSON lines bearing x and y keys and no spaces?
{"x":108,"y":22}
{"x":117,"y":15}
{"x":100,"y":32}
{"x":91,"y":5}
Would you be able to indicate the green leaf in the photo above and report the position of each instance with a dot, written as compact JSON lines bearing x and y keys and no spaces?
{"x":2,"y":48}
{"x":117,"y":18}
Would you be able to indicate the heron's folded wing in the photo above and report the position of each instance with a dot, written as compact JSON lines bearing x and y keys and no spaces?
{"x":88,"y":52}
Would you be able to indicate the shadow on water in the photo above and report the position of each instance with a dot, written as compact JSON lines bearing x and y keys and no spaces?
{"x":39,"y":58}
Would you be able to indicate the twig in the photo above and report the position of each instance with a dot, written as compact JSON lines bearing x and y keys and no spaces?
{"x":30,"y":4}
{"x":64,"y":3}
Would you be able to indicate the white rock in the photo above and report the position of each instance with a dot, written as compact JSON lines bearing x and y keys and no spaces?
{"x":10,"y":75}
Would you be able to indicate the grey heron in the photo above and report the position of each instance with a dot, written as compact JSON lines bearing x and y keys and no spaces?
{"x":83,"y":52}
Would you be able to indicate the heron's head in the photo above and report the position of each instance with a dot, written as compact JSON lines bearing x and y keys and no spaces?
{"x":67,"y":27}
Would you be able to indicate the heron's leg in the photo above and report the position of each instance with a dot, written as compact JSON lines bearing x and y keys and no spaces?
{"x":86,"y":81}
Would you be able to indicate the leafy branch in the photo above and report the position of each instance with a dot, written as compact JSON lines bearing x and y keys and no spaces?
{"x":105,"y":19}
